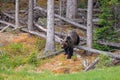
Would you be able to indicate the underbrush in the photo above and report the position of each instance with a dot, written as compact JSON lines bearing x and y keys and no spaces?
{"x":17,"y":54}
{"x":104,"y":61}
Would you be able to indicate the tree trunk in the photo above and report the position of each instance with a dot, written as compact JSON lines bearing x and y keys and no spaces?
{"x":30,"y":15}
{"x":71,"y":9}
{"x":17,"y":13}
{"x":89,"y":24}
{"x":50,"y":41}
{"x":35,"y":3}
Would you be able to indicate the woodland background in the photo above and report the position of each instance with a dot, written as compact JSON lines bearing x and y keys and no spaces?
{"x":24,"y":38}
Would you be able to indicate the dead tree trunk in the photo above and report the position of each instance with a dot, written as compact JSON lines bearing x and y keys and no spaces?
{"x":17,"y":13}
{"x":89,"y":24}
{"x":71,"y":9}
{"x":30,"y":15}
{"x":35,"y":3}
{"x":50,"y":41}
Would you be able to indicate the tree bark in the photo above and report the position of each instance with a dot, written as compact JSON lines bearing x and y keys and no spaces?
{"x":89,"y":25}
{"x":35,"y":3}
{"x":30,"y":15}
{"x":17,"y":13}
{"x":71,"y":9}
{"x":50,"y":41}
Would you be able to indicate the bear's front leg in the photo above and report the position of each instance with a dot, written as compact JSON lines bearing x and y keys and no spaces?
{"x":70,"y":53}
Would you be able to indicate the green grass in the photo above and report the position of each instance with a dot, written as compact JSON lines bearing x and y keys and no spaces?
{"x":103,"y":74}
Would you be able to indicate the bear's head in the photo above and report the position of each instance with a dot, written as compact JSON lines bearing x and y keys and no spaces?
{"x":65,"y":43}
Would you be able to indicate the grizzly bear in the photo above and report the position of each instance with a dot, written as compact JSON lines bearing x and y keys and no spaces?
{"x":68,"y":43}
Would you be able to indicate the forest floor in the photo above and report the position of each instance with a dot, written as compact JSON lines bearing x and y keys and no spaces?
{"x":56,"y":64}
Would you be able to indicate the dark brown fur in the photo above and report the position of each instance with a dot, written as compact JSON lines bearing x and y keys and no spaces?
{"x":71,"y":40}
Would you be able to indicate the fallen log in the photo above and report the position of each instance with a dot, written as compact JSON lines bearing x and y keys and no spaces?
{"x":45,"y":30}
{"x":92,"y":65}
{"x":8,"y":15}
{"x":40,"y":34}
{"x":40,"y":27}
{"x":51,"y":54}
{"x":109,"y":44}
{"x":112,"y":44}
{"x":34,"y":33}
{"x":13,"y":11}
{"x":81,"y":9}
{"x":7,"y":23}
{"x":99,"y":52}
{"x":64,"y":19}
{"x":12,"y":17}
{"x":4,"y":28}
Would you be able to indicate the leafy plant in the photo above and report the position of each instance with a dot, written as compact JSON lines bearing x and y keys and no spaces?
{"x":102,"y":47}
{"x":4,"y":61}
{"x":39,"y":44}
{"x":104,"y":61}
{"x":32,"y":58}
{"x":15,"y":49}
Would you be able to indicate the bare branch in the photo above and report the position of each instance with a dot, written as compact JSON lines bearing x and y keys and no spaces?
{"x":10,"y":24}
{"x":51,"y":54}
{"x":4,"y":28}
{"x":92,"y":65}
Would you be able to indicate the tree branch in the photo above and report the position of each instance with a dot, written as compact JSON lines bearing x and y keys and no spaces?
{"x":10,"y":24}
{"x":51,"y":54}
{"x":4,"y":28}
{"x":92,"y":65}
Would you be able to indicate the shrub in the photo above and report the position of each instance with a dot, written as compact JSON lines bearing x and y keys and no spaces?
{"x":4,"y":61}
{"x":39,"y":44}
{"x":15,"y":49}
{"x":104,"y":61}
{"x":32,"y":58}
{"x":102,"y":47}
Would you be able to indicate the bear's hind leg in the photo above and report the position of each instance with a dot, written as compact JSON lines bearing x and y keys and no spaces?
{"x":66,"y":50}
